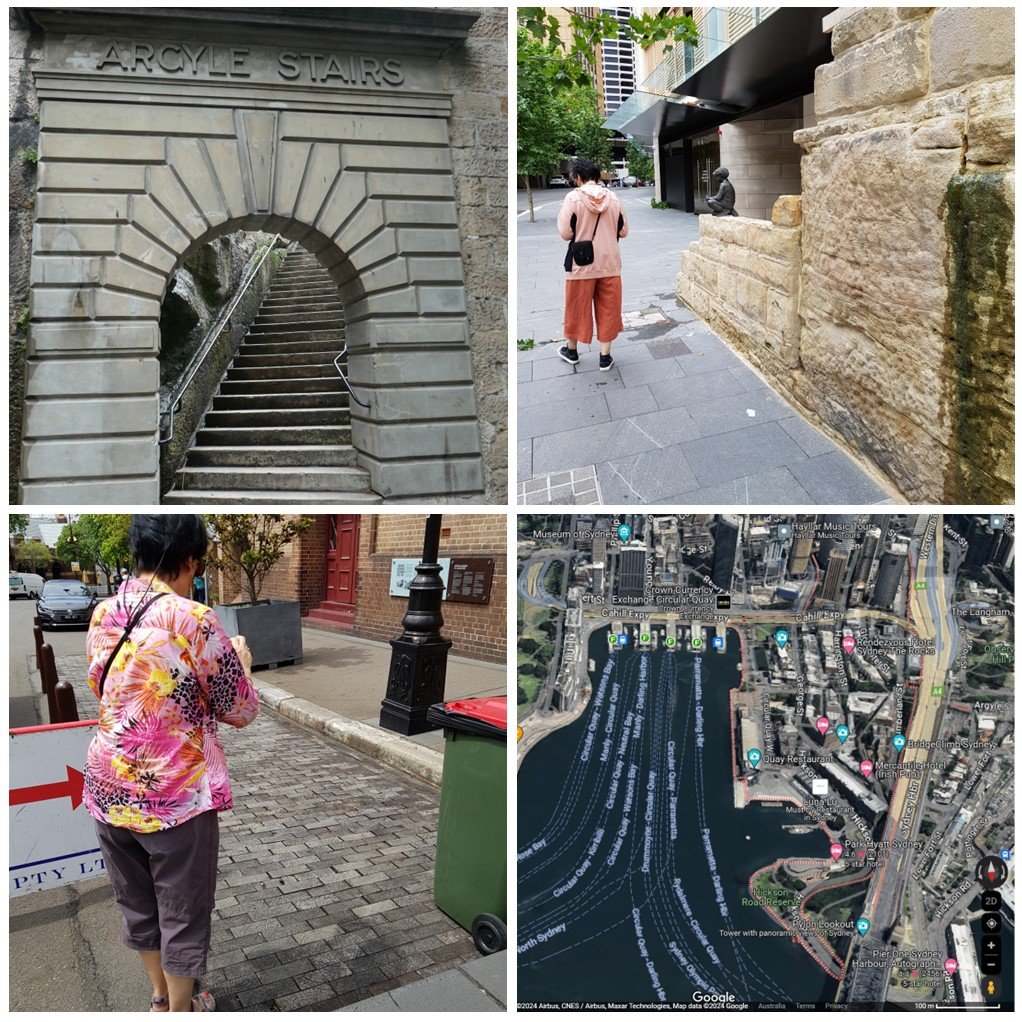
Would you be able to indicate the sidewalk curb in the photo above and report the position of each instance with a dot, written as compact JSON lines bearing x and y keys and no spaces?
{"x":390,"y":749}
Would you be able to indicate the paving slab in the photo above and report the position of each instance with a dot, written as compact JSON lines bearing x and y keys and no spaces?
{"x":774,"y":486}
{"x":475,"y":986}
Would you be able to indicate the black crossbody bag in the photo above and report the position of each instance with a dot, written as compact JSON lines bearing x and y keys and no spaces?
{"x":581,"y":252}
{"x":132,"y":621}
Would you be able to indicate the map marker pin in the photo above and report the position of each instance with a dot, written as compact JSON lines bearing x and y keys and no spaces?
{"x":781,"y":636}
{"x":950,"y":966}
{"x":822,"y":725}
{"x":862,"y":925}
{"x":835,"y":851}
{"x":848,"y":644}
{"x":624,"y":532}
{"x":754,"y":757}
{"x":842,"y":733}
{"x":866,"y":766}
{"x":899,"y":742}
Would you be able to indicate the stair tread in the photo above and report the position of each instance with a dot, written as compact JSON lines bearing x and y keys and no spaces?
{"x":177,"y":496}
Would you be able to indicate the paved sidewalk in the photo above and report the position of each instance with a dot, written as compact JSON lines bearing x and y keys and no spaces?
{"x":681,"y":418}
{"x":480,"y":985}
{"x":348,"y":675}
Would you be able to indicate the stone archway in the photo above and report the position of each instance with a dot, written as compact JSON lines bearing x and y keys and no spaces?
{"x":158,"y":132}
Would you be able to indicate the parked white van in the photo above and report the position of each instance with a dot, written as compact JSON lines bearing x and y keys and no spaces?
{"x":24,"y":584}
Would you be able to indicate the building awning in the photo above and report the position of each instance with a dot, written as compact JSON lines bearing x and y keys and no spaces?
{"x":773,"y":62}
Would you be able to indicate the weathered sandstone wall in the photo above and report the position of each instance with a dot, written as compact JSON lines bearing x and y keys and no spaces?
{"x":904,"y":343}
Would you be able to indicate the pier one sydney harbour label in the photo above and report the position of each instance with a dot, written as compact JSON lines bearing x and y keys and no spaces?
{"x":766,"y":761}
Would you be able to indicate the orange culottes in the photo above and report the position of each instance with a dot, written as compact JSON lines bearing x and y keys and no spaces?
{"x":585,"y":297}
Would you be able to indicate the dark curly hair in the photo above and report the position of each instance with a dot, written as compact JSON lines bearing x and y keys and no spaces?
{"x":162,"y":544}
{"x":585,"y":170}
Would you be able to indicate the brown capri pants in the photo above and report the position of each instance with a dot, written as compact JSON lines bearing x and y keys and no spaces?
{"x":585,"y":295}
{"x":165,"y":886}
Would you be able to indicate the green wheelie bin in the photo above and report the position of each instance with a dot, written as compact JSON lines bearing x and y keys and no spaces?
{"x":470,"y":882}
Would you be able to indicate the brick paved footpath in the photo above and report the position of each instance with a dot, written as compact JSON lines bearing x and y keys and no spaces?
{"x":325,"y":893}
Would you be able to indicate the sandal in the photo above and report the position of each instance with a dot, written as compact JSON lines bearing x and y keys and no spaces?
{"x":205,"y":1000}
{"x":160,"y":1003}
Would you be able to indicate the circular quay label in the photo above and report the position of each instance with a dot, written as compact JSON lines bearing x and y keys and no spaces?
{"x":769,"y":764}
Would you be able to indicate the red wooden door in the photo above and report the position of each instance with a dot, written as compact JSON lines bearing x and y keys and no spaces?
{"x":342,"y":564}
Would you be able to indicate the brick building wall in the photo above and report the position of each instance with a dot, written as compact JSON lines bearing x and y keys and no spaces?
{"x":479,"y":631}
{"x":299,"y":575}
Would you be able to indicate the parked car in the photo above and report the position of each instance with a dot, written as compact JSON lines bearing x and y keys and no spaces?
{"x":25,"y":584}
{"x":65,"y":602}
{"x":558,"y":181}
{"x":630,"y":181}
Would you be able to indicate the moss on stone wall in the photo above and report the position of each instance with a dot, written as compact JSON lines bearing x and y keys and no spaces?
{"x":979,"y":354}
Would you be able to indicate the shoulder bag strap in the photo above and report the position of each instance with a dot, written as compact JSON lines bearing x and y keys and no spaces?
{"x":598,"y":215}
{"x":132,"y":621}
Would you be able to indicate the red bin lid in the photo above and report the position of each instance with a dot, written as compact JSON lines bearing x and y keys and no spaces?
{"x":491,"y":710}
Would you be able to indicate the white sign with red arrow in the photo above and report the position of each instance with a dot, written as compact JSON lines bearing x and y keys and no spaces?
{"x":53,"y":838}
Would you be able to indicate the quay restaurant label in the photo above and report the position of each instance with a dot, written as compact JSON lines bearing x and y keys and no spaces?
{"x":202,"y":60}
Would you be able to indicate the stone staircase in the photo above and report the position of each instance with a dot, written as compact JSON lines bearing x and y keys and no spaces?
{"x":279,"y":428}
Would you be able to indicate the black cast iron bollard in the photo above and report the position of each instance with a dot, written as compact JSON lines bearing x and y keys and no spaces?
{"x":418,"y":664}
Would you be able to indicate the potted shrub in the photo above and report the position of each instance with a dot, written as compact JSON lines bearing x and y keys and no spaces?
{"x":249,"y":546}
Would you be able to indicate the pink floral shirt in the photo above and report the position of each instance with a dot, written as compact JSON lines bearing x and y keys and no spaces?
{"x":157,"y":760}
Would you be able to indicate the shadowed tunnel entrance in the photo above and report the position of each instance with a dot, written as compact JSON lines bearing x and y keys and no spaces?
{"x":260,"y":128}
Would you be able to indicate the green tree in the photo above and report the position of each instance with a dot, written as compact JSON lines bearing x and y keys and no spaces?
{"x":639,"y":162}
{"x":548,"y":67}
{"x":574,"y":59}
{"x":34,"y":553}
{"x":17,"y":524}
{"x":582,"y":130}
{"x":252,"y":544}
{"x":539,"y":128}
{"x":99,"y":541}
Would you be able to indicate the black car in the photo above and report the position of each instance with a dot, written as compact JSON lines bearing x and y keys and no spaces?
{"x":65,"y":602}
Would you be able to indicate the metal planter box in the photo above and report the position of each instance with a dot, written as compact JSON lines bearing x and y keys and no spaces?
{"x":273,"y":629}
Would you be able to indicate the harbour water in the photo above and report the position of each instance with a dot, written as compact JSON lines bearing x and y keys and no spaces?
{"x":633,"y":861}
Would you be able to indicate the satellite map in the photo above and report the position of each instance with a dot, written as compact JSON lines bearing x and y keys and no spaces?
{"x":766,"y":761}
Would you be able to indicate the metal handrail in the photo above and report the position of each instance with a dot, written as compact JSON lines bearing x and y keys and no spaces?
{"x":344,"y":378}
{"x":173,"y":402}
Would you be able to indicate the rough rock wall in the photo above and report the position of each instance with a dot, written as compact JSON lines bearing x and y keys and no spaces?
{"x":907,"y":303}
{"x":476,"y":74}
{"x":200,"y":289}
{"x":23,"y":145}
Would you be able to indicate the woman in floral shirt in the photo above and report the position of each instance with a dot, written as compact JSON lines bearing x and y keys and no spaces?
{"x":155,"y":776}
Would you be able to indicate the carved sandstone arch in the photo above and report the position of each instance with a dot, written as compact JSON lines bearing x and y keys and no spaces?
{"x":131,"y":180}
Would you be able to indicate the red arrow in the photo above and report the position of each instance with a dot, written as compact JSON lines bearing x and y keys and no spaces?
{"x":71,"y":788}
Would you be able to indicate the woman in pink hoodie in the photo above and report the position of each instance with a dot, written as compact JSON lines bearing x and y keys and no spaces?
{"x":592,"y":213}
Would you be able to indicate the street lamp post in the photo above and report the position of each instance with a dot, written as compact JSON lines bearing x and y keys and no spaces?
{"x":418,"y":664}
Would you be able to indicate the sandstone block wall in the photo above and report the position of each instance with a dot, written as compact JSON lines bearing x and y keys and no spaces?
{"x":742,"y":277}
{"x":903,"y":344}
{"x":396,"y":192}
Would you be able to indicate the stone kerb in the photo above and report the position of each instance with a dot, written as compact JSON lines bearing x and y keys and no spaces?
{"x":130,"y":183}
{"x":742,"y":277}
